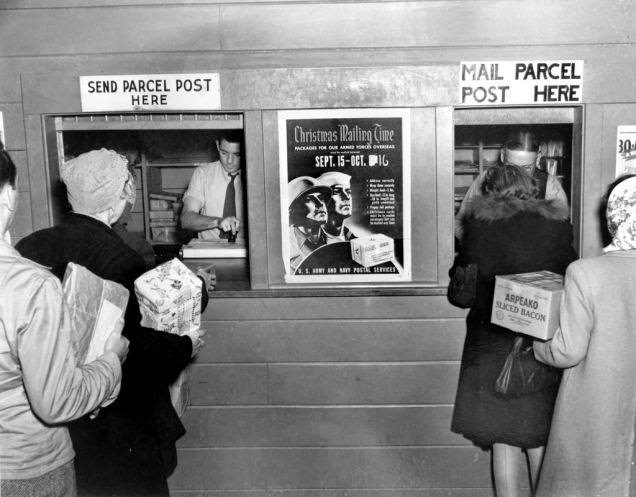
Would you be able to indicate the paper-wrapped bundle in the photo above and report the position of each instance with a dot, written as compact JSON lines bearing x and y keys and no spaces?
{"x":94,"y":304}
{"x":170,"y":298}
{"x":372,"y":250}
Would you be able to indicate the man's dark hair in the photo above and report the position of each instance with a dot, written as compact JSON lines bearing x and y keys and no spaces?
{"x":8,"y":171}
{"x":230,"y":136}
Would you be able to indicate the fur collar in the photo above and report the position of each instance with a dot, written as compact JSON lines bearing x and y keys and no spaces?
{"x":489,"y":208}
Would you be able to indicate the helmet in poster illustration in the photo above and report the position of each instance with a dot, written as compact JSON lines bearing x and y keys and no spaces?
{"x":307,"y":200}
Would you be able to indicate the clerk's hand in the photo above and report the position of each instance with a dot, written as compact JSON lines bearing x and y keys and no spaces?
{"x":230,"y":223}
{"x":197,"y":341}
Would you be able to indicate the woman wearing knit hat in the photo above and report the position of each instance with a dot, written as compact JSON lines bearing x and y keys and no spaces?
{"x":129,"y":449}
{"x":589,"y":451}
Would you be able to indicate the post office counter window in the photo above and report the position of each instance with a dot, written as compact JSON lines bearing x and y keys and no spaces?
{"x":163,"y":151}
{"x":480,"y":135}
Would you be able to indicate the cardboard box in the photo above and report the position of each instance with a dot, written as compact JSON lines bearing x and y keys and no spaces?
{"x":372,"y":250}
{"x":170,"y":298}
{"x":528,"y":303}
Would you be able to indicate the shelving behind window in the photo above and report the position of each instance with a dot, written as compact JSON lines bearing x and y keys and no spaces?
{"x":478,"y":147}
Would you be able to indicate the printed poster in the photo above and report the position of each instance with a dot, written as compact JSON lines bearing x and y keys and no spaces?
{"x":625,"y":150}
{"x":345,"y":195}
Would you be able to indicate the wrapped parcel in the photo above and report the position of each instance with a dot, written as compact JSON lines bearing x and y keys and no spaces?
{"x":170,"y":298}
{"x":372,"y":250}
{"x":528,"y":303}
{"x":94,"y":304}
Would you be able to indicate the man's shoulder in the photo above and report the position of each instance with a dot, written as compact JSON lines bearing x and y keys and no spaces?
{"x":206,"y":167}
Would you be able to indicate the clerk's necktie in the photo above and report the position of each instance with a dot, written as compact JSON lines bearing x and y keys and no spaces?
{"x":229,"y":206}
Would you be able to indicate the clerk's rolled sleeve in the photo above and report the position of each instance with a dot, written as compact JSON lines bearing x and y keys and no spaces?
{"x":58,"y":389}
{"x":569,"y":344}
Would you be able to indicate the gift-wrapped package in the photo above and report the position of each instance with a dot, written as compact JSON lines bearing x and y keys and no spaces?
{"x":94,"y":304}
{"x":372,"y":250}
{"x":170,"y":298}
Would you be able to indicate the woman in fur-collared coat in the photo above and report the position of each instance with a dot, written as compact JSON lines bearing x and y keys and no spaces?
{"x":508,"y":230}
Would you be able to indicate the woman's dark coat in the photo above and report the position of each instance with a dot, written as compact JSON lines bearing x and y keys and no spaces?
{"x":504,"y":236}
{"x":129,"y":449}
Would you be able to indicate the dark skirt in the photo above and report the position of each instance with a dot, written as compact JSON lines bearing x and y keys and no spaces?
{"x":482,"y":415}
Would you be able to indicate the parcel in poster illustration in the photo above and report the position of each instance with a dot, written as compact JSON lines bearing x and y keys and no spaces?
{"x":345,"y":195}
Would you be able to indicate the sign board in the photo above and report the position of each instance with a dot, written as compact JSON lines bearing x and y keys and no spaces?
{"x":345,"y":195}
{"x":546,"y":82}
{"x":528,"y":303}
{"x":625,"y":150}
{"x":150,"y":92}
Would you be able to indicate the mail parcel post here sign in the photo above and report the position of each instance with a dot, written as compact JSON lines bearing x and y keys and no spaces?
{"x":521,"y":82}
{"x":151,"y":92}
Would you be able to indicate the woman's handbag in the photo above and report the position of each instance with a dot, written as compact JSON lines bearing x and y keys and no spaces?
{"x":462,"y":289}
{"x":522,"y":374}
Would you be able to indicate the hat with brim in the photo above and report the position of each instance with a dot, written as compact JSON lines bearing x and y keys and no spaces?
{"x":333,"y":178}
{"x":304,"y":185}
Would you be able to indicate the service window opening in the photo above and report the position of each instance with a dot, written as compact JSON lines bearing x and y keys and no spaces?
{"x":478,"y":147}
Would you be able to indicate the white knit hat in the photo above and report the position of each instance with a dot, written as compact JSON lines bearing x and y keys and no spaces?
{"x":94,"y":180}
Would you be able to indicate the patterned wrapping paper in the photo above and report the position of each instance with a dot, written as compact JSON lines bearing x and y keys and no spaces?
{"x":170,"y":298}
{"x":94,"y":305}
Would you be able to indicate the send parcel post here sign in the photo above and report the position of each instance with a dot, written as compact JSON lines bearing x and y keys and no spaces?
{"x":520,"y":82}
{"x":150,"y":92}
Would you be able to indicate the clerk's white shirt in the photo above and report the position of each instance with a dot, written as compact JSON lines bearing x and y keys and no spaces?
{"x":208,"y":185}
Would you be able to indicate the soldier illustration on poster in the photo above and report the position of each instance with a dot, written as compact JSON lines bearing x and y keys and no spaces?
{"x":345,"y":195}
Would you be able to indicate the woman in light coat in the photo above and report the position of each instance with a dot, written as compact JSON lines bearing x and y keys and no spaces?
{"x":40,"y":384}
{"x":589,"y":450}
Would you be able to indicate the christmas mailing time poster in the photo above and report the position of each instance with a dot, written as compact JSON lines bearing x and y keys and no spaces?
{"x":345,"y":195}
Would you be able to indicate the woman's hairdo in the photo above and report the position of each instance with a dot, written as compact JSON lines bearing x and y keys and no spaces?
{"x":8,"y":171}
{"x":509,"y":181}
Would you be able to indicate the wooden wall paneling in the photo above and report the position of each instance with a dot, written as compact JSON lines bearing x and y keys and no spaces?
{"x":19,"y":158}
{"x":333,"y":340}
{"x":600,"y":61}
{"x":445,"y":191}
{"x":409,"y":24}
{"x":402,"y":492}
{"x":13,"y":126}
{"x":332,"y":468}
{"x":576,"y":206}
{"x":424,"y":206}
{"x":322,"y":426}
{"x":23,"y":221}
{"x":10,"y":90}
{"x":291,"y":87}
{"x":39,"y":96}
{"x":229,"y":384}
{"x":257,"y":199}
{"x":359,"y":383}
{"x":38,"y":173}
{"x":113,"y":29}
{"x":271,"y":170}
{"x":384,"y":307}
{"x":326,"y":87}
